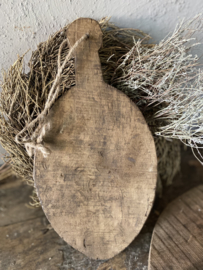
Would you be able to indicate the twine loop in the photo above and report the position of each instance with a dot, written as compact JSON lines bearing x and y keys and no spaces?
{"x":35,"y":141}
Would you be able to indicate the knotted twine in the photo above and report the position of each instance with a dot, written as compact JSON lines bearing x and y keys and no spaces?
{"x":35,"y":141}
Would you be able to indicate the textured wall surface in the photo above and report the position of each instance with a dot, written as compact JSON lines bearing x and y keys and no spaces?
{"x":24,"y":23}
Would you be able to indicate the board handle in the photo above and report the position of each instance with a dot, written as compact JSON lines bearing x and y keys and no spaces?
{"x":87,"y":62}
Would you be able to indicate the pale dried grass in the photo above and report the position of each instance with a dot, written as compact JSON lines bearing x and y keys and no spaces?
{"x":24,"y":94}
{"x":166,"y":83}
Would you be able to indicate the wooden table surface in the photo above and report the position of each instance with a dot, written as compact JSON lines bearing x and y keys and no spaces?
{"x":28,"y":242}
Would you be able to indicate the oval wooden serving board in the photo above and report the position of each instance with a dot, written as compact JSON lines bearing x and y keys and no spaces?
{"x":177,"y":241}
{"x":98,"y":184}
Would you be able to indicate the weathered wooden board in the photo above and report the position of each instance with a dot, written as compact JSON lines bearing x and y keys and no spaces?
{"x":177,"y":241}
{"x":30,"y":245}
{"x":16,"y":196}
{"x":98,"y":184}
{"x":133,"y":257}
{"x":27,"y":242}
{"x":14,"y":202}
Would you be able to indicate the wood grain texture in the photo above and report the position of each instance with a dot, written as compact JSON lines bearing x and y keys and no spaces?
{"x":13,"y":198}
{"x":26,"y":240}
{"x":98,"y":184}
{"x":30,"y":245}
{"x":177,"y":241}
{"x":14,"y":203}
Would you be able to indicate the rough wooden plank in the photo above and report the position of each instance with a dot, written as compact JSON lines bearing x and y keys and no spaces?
{"x":30,"y":245}
{"x":177,"y":241}
{"x":16,"y":195}
{"x":98,"y":184}
{"x":14,"y":202}
{"x":134,"y":257}
{"x":33,"y":245}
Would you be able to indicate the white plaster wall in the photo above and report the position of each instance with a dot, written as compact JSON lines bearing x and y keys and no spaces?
{"x":25,"y":23}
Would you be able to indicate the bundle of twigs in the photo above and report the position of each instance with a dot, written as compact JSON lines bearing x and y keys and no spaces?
{"x":166,"y":78}
{"x":24,"y":94}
